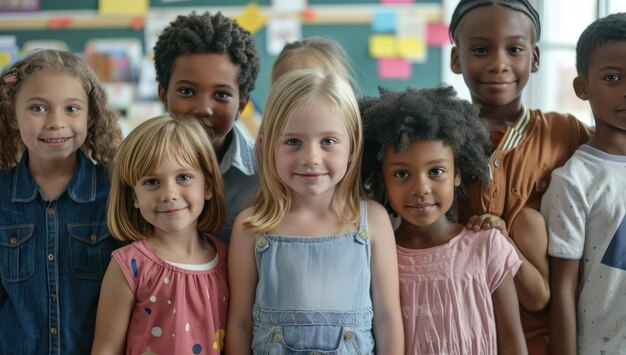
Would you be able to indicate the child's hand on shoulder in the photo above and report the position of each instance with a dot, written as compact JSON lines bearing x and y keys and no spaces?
{"x":486,"y":221}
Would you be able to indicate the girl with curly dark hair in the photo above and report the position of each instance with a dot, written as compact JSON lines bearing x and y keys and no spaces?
{"x":456,"y":284}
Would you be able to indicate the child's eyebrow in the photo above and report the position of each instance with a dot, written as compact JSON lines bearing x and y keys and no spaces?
{"x":483,"y":38}
{"x":611,"y":67}
{"x":435,"y":161}
{"x":194,"y":83}
{"x":37,"y":98}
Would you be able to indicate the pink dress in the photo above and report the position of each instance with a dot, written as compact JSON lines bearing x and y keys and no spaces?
{"x":177,"y":311}
{"x":445,"y":293}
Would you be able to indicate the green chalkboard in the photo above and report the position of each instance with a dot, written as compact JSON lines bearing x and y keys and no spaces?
{"x":353,"y":37}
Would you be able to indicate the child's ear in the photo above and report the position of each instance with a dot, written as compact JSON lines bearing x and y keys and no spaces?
{"x":580,"y":87}
{"x":209,"y":191}
{"x":135,"y":202}
{"x":457,"y":178}
{"x":535,"y":64}
{"x":242,"y":105}
{"x":455,"y":64}
{"x":163,"y":96}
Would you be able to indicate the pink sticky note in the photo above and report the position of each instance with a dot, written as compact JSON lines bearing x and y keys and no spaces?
{"x":396,"y":1}
{"x":394,"y":69}
{"x":437,"y":34}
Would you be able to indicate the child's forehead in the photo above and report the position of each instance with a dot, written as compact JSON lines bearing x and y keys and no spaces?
{"x":610,"y":54}
{"x":492,"y":21}
{"x":203,"y":67}
{"x":421,"y":150}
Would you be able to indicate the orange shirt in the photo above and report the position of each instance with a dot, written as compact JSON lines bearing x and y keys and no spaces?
{"x":520,"y":169}
{"x":521,"y":165}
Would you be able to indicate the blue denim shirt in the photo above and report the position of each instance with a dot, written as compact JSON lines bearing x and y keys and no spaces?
{"x":53,"y":255}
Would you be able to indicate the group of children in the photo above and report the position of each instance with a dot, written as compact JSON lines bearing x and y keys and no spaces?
{"x":412,"y":222}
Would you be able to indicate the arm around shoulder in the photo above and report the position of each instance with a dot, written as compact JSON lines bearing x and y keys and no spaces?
{"x":388,"y":328}
{"x":114,"y":310}
{"x":242,"y":281}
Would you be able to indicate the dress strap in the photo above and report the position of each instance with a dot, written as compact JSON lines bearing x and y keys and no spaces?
{"x":362,"y":233}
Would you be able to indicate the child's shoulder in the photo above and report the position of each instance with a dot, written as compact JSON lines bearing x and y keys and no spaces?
{"x":557,"y":120}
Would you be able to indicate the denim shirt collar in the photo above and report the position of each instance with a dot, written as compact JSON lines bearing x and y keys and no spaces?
{"x":81,"y":188}
{"x":240,"y":154}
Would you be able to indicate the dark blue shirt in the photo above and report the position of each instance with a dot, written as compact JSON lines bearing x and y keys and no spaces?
{"x":53,"y":255}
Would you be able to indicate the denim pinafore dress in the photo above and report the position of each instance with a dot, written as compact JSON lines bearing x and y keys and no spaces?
{"x":313,"y":294}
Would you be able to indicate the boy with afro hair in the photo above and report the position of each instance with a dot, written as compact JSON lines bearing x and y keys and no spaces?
{"x":206,"y":65}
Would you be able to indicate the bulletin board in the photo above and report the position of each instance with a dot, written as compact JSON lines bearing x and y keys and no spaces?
{"x":354,"y":37}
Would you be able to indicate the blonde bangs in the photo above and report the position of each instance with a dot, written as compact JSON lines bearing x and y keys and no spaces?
{"x":143,"y":151}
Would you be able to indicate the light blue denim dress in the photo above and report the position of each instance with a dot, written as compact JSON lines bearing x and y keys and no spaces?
{"x":313,"y":294}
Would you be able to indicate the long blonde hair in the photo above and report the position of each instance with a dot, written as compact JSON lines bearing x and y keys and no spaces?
{"x":293,"y":91}
{"x":103,"y":135}
{"x":143,"y":151}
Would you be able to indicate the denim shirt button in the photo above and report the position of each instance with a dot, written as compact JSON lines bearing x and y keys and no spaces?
{"x":362,"y":234}
{"x":53,"y":331}
{"x":50,"y":211}
{"x":13,"y":240}
{"x":348,"y":335}
{"x":53,"y":295}
{"x":278,"y":337}
{"x":50,"y":257}
{"x":93,"y":238}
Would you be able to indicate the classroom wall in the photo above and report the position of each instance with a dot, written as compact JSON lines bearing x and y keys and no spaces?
{"x":354,"y":37}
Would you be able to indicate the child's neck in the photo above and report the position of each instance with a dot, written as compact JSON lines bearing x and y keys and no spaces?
{"x":184,"y":248}
{"x":608,"y":139}
{"x":501,"y":117}
{"x":53,"y":177}
{"x":411,"y":236}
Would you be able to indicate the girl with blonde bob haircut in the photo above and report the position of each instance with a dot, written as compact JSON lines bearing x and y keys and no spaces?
{"x":312,"y":263}
{"x":144,"y":150}
{"x":166,"y":196}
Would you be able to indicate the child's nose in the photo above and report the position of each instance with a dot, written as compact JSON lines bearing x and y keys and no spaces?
{"x":499,"y":64}
{"x":55,"y":120}
{"x":205,"y":106}
{"x":421,"y":187}
{"x":312,"y":155}
{"x":169,"y":193}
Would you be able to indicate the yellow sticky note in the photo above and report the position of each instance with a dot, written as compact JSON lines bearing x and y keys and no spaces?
{"x":411,"y":48}
{"x":383,"y":46}
{"x":252,"y":19}
{"x":123,"y":7}
{"x":5,"y":59}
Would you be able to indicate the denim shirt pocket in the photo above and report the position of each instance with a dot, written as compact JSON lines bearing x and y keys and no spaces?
{"x":90,"y":249}
{"x":17,"y":252}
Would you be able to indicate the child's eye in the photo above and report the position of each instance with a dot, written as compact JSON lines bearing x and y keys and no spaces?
{"x":611,"y":78}
{"x":479,"y":51}
{"x":292,"y":141}
{"x":185,"y":92}
{"x":72,"y":109}
{"x":223,"y":95}
{"x":402,"y":174}
{"x":184,"y":177}
{"x":515,"y":50}
{"x":328,"y":141}
{"x":150,"y":182}
{"x":39,"y":108}
{"x":436,"y":172}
